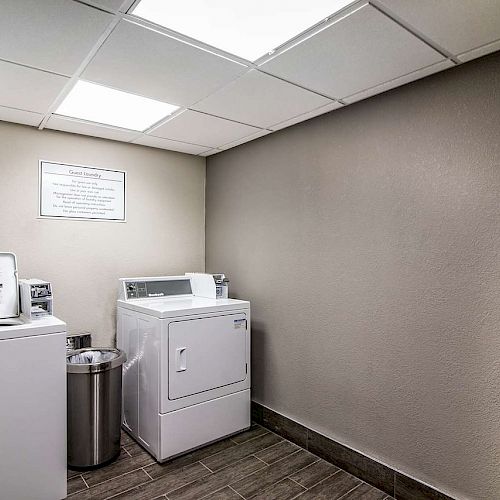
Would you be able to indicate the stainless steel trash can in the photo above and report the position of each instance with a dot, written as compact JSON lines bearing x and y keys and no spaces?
{"x":94,"y":406}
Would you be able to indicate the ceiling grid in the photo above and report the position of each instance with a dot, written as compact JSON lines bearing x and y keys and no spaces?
{"x":362,"y":49}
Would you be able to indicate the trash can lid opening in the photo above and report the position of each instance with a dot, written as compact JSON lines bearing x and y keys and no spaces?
{"x":93,"y":360}
{"x":92,"y":357}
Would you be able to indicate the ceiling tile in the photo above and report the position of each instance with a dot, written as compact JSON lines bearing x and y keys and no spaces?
{"x":20,"y":116}
{"x":480,"y":51}
{"x":114,"y":5}
{"x":183,"y":147}
{"x":55,"y":35}
{"x":248,"y":29}
{"x":457,"y":26}
{"x":85,"y":128}
{"x":400,"y":81}
{"x":199,"y":128}
{"x":143,"y":61}
{"x":259,"y":99}
{"x":306,"y":116}
{"x":28,"y":89}
{"x":244,"y":139}
{"x":359,"y":51}
{"x":125,"y":5}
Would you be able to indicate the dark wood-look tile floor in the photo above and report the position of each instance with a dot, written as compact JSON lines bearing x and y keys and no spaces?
{"x":255,"y":464}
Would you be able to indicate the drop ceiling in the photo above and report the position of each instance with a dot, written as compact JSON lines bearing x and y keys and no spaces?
{"x":365,"y":48}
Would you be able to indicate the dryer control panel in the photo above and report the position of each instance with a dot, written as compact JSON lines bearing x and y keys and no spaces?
{"x":137,"y":288}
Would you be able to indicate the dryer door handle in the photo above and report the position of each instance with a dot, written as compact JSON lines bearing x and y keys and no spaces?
{"x":180,"y":359}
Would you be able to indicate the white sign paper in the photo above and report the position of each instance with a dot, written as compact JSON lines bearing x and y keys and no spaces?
{"x":77,"y":192}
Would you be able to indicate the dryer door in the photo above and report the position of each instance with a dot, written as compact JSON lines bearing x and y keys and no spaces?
{"x":205,"y":354}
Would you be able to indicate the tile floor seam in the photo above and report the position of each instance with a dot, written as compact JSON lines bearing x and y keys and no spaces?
{"x":284,"y":458}
{"x":255,"y":437}
{"x":189,"y":482}
{"x":252,"y":438}
{"x":231,"y":464}
{"x":259,"y":459}
{"x":331,"y":463}
{"x":147,"y":473}
{"x":249,"y":455}
{"x":114,"y":477}
{"x":313,"y":485}
{"x":117,"y":494}
{"x":351,"y":490}
{"x":277,"y":461}
{"x":298,"y":470}
{"x":206,"y":466}
{"x":127,"y":490}
{"x":121,"y":493}
{"x":306,"y":448}
{"x":324,"y":479}
{"x":267,"y":447}
{"x":136,"y":487}
{"x":229,"y":447}
{"x":299,"y":494}
{"x":232,"y":489}
{"x":230,"y":444}
{"x":217,"y":472}
{"x":204,"y":458}
{"x":276,"y":444}
{"x":212,"y":492}
{"x":293,"y":481}
{"x":118,"y":476}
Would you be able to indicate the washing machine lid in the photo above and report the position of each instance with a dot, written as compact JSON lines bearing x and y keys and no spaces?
{"x":43,"y":326}
{"x":182,"y":306}
{"x":9,"y":287}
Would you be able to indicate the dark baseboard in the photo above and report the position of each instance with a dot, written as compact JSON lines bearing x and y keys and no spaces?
{"x":369,"y":470}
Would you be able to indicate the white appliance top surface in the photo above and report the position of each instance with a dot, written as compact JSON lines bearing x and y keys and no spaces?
{"x":42,"y":326}
{"x":182,"y":306}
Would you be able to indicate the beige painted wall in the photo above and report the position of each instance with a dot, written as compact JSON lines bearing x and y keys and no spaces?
{"x":368,"y":241}
{"x":164,"y":232}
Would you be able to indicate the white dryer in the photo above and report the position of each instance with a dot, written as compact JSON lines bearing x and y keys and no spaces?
{"x":187,"y":377}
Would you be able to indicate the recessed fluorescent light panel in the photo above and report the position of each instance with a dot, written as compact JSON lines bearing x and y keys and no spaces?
{"x":96,"y":103}
{"x":247,"y":29}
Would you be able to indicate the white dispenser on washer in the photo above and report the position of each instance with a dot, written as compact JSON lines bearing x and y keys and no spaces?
{"x":36,"y":298}
{"x":212,"y":286}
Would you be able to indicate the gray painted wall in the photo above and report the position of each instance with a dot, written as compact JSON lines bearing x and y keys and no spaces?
{"x":368,"y":241}
{"x":164,"y":232}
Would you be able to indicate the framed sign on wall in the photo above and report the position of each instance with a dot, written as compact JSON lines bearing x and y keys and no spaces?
{"x":78,"y":192}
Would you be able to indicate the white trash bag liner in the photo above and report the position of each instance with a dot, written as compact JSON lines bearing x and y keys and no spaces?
{"x":92,"y":357}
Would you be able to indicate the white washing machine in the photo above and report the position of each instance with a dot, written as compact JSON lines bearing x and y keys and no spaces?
{"x":33,"y":410}
{"x":187,"y":377}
